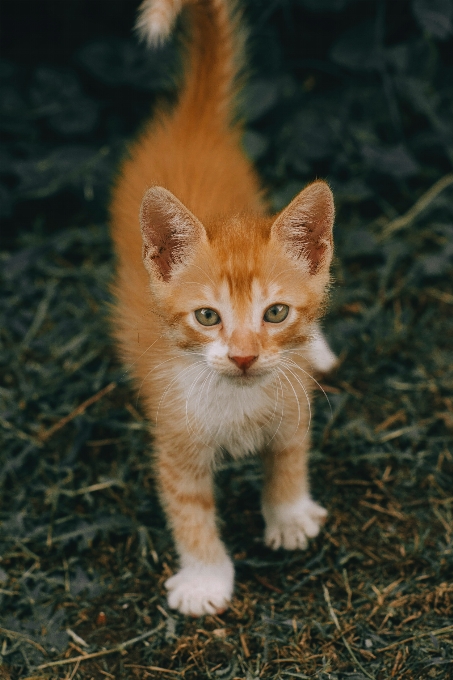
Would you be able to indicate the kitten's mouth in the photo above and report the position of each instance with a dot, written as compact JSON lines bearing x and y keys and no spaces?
{"x":247,"y":377}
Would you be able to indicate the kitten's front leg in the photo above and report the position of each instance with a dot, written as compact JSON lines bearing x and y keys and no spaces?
{"x":204,"y":584}
{"x":290,"y":514}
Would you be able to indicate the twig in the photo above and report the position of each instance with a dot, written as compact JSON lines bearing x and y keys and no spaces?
{"x":379,"y":508}
{"x":20,"y":636}
{"x":418,"y":207}
{"x":439,"y":631}
{"x":44,"y":436}
{"x":441,"y":295}
{"x":8,"y":592}
{"x":152,"y":668}
{"x":76,"y":668}
{"x":104,"y":652}
{"x":89,"y":489}
{"x":338,"y":627}
{"x":21,"y":435}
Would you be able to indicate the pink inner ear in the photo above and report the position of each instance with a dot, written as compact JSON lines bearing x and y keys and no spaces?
{"x":317,"y":231}
{"x":160,"y":243}
{"x":305,"y":226}
{"x":169,"y":231}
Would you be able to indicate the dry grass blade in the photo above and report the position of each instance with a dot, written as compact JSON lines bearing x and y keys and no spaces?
{"x":439,"y":631}
{"x":18,"y":636}
{"x":84,"y":548}
{"x":418,"y":207}
{"x":44,"y":436}
{"x":95,"y":655}
{"x":338,"y":627}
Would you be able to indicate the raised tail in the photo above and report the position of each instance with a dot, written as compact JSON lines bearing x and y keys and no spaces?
{"x":215,"y":48}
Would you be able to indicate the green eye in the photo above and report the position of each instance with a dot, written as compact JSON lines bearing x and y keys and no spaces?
{"x":276,"y":313}
{"x":207,"y":317}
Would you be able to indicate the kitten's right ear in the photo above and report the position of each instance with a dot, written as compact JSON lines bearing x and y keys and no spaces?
{"x":170,"y":233}
{"x":305,"y":227}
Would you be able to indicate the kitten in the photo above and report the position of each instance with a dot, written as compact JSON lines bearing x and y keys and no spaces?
{"x":217,"y":305}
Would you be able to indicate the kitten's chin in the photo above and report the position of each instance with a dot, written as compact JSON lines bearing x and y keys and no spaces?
{"x":247,"y":379}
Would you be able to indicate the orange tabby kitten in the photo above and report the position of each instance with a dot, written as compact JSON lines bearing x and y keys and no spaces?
{"x":217,"y":307}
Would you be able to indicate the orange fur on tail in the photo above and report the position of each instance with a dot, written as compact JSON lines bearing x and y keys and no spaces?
{"x":217,"y":305}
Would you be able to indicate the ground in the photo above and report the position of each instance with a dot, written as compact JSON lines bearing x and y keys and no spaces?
{"x":84,"y":550}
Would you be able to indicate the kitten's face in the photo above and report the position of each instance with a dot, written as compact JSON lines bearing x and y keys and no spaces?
{"x":238,"y":292}
{"x":240,"y":303}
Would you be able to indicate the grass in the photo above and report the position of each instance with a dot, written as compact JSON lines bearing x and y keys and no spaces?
{"x":84,"y":546}
{"x":84,"y":549}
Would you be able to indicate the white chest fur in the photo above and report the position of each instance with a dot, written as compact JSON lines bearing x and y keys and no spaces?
{"x":224,"y":415}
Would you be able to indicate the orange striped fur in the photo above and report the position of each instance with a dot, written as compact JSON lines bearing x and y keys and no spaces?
{"x":193,"y":236}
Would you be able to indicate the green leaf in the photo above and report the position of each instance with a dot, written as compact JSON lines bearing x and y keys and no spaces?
{"x":435,"y":16}
{"x":357,"y":48}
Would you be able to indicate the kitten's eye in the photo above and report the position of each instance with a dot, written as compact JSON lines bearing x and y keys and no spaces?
{"x":207,"y":317}
{"x":276,"y":313}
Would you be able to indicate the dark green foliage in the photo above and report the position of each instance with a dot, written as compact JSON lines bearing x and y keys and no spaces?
{"x":356,"y":91}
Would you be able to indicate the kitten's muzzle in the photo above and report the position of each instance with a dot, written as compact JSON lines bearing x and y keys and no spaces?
{"x":243,"y":362}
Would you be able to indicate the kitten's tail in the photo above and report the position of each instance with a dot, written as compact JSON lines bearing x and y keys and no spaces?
{"x":215,"y":52}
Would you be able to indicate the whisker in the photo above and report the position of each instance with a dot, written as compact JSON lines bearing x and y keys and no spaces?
{"x":204,"y":272}
{"x":270,"y":419}
{"x":295,"y":365}
{"x":179,"y":356}
{"x":283,"y":408}
{"x":213,"y":375}
{"x":208,"y":377}
{"x":304,"y":390}
{"x":279,"y":274}
{"x":297,"y":401}
{"x":189,"y":427}
{"x":128,"y":368}
{"x":266,"y":283}
{"x":153,"y":369}
{"x":214,"y":432}
{"x":179,"y":374}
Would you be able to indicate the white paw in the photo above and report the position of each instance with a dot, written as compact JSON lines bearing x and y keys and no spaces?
{"x":289,"y":525}
{"x":200,"y":588}
{"x":319,"y":353}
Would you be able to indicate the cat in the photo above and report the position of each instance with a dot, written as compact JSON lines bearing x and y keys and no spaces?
{"x":217,"y":306}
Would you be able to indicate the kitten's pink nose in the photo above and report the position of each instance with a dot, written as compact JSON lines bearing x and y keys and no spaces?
{"x":243,"y":362}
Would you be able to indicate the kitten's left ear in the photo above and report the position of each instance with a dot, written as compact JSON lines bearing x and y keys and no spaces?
{"x":305,"y":227}
{"x":170,"y":233}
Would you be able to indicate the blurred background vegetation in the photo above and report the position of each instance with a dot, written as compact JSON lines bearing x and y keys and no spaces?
{"x":359,"y":92}
{"x":356,"y":91}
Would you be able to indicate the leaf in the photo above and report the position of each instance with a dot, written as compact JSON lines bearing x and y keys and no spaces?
{"x":354,"y":190}
{"x":360,"y":244}
{"x":76,"y":166}
{"x":357,"y":48}
{"x":435,"y":16}
{"x":78,"y":118}
{"x":259,"y":98}
{"x":310,"y":138}
{"x":124,"y":62}
{"x":394,"y":160}
{"x":417,"y":58}
{"x":56,"y":95}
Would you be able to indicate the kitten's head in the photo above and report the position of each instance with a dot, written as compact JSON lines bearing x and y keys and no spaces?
{"x":240,"y":291}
